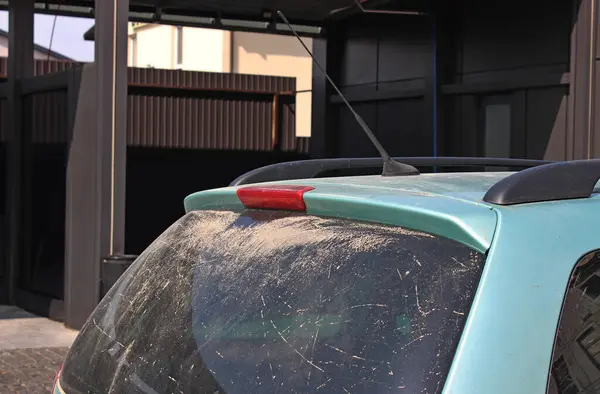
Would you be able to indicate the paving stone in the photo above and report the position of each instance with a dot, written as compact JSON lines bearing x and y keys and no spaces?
{"x":29,"y":371}
{"x":31,"y":351}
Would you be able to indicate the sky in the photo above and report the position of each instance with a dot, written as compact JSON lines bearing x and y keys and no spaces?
{"x":68,"y":35}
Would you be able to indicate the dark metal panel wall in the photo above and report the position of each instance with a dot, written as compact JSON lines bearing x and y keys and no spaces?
{"x":287,"y":124}
{"x":546,"y":128}
{"x":385,"y":53}
{"x":40,"y":66}
{"x":538,"y":122}
{"x":3,"y":120}
{"x":580,"y":68}
{"x":196,"y":123}
{"x":382,"y":69}
{"x":206,"y":123}
{"x":302,"y":144}
{"x":484,"y":49}
{"x":48,"y":109}
{"x":48,"y":121}
{"x":501,"y":38}
{"x":209,"y":80}
{"x":528,"y":64}
{"x":183,"y":109}
{"x":594,"y":137}
{"x":49,"y":117}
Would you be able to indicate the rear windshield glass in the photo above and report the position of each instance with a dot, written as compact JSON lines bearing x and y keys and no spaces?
{"x":272,"y":302}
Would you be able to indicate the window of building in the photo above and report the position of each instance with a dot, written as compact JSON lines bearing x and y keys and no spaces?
{"x":133,"y":40}
{"x":179,"y":45}
{"x":576,"y":356}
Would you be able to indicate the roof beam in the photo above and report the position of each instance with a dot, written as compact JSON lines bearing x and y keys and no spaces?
{"x":151,"y":14}
{"x":224,"y":24}
{"x":372,"y":7}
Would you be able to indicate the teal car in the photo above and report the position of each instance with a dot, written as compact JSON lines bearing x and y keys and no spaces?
{"x":465,"y":282}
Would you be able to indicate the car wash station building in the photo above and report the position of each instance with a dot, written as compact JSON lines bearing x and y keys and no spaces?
{"x":498,"y":78}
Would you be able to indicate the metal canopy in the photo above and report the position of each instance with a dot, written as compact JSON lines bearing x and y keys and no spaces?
{"x":302,"y":12}
{"x":305,"y":10}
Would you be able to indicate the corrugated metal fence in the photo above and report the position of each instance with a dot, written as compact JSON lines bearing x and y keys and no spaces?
{"x":48,"y":109}
{"x":182,"y":109}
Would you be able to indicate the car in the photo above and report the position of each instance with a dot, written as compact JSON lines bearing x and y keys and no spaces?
{"x":445,"y":282}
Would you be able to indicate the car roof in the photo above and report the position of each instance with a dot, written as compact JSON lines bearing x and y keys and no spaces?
{"x":469,"y":187}
{"x":464,"y":186}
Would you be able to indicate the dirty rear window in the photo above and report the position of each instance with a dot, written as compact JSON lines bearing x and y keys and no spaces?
{"x":272,"y":302}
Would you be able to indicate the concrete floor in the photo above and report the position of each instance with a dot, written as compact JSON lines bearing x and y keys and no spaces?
{"x":22,"y":330}
{"x":32,"y":349}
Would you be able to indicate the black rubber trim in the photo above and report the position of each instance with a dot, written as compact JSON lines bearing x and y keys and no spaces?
{"x":306,"y":169}
{"x":556,"y":181}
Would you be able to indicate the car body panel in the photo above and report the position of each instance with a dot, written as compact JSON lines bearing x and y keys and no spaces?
{"x":449,"y":206}
{"x":506,"y":346}
{"x":466,"y":223}
{"x":57,"y":388}
{"x":467,"y":187}
{"x":224,"y":199}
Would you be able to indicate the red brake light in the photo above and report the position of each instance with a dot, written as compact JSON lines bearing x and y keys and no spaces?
{"x":284,"y":197}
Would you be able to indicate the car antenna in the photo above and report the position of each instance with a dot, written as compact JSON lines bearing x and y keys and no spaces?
{"x":390,"y":166}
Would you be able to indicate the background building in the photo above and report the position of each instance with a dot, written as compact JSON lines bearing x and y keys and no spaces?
{"x":39,"y":52}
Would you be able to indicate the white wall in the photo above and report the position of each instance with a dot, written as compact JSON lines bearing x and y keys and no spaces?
{"x":203,"y":49}
{"x":206,"y":50}
{"x":284,"y":56}
{"x":154,"y":47}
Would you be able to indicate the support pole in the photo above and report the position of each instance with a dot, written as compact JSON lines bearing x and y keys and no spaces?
{"x":582,"y":93}
{"x":20,"y":65}
{"x":323,"y":136}
{"x":97,"y":164}
{"x":111,"y":124}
